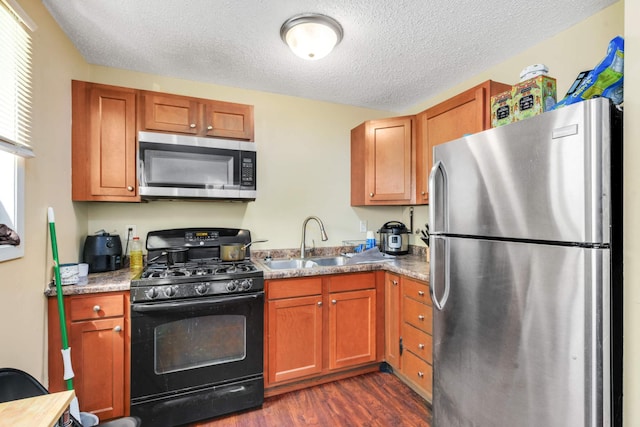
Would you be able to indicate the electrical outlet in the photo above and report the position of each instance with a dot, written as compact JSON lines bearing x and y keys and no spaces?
{"x":363,"y":226}
{"x":134,"y":231}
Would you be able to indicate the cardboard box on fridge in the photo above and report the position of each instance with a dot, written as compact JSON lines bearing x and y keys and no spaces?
{"x":501,"y":109}
{"x":532,"y":97}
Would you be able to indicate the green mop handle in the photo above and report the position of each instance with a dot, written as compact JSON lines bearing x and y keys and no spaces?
{"x":56,"y":265}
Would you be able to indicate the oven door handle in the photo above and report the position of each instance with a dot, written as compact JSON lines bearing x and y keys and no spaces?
{"x":181,"y":305}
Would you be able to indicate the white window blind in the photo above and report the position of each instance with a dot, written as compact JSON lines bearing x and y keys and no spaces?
{"x":15,"y":79}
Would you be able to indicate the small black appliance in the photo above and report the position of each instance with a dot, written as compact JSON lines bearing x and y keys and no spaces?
{"x":103,"y":252}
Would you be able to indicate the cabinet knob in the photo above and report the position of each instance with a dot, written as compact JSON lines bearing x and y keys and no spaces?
{"x":209,"y":127}
{"x":420,"y":374}
{"x":370,"y":194}
{"x":421,"y":346}
{"x":423,"y":193}
{"x":319,"y":303}
{"x":117,"y":328}
{"x":334,"y":301}
{"x":421,"y":293}
{"x":421,"y":317}
{"x":96,"y":308}
{"x":395,"y":282}
{"x":192,"y":125}
{"x":129,"y":188}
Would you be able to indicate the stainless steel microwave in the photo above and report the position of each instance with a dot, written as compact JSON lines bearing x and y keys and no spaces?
{"x":174,"y":166}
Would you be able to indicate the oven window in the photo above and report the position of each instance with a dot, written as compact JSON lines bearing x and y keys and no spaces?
{"x":199,"y":341}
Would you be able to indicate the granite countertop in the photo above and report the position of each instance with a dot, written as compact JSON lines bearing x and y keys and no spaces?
{"x":412,"y":265}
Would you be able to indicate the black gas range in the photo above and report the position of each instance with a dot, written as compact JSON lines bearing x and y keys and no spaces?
{"x":196,"y":328}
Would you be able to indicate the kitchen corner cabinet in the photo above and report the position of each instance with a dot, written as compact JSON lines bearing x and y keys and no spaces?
{"x":98,"y":335}
{"x":103,"y":162}
{"x":467,"y":112}
{"x":194,"y":116}
{"x":321,"y":328}
{"x":381,"y":162}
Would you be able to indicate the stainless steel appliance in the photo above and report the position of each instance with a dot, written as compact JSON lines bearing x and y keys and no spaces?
{"x":526,"y":272}
{"x":196,"y":329}
{"x":394,"y":238}
{"x":103,"y":252}
{"x":183,"y":166}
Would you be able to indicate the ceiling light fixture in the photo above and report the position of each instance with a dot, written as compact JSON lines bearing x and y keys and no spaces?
{"x":311,"y":36}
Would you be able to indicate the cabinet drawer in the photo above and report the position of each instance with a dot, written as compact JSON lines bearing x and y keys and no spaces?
{"x":417,"y":314}
{"x":417,"y":371}
{"x":417,"y":342}
{"x":289,"y":288}
{"x":96,"y":307}
{"x":416,"y":290}
{"x":352,"y":282}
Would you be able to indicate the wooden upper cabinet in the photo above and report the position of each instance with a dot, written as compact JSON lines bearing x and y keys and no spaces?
{"x":195,"y":116}
{"x":103,"y":143}
{"x":381,"y":162}
{"x":467,"y":112}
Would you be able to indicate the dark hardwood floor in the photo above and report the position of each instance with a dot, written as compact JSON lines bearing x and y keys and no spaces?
{"x":373,"y":400}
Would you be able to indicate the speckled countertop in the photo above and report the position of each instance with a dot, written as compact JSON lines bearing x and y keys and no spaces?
{"x":413,"y":265}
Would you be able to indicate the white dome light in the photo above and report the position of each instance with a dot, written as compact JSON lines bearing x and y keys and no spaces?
{"x":311,"y":36}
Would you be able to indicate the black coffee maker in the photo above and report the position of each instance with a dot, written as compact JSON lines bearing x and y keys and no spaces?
{"x":103,"y":252}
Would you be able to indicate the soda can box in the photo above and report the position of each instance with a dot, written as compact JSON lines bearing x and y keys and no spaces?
{"x":501,"y":109}
{"x":532,"y":97}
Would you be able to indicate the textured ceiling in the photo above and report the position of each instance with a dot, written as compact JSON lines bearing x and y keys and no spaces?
{"x":395,"y":54}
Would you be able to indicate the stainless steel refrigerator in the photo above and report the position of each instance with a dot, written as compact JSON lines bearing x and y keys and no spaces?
{"x":526,"y":272}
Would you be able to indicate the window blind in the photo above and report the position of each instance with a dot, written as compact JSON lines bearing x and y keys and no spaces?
{"x":15,"y":80}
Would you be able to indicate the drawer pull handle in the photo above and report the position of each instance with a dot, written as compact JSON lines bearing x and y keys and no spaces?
{"x":319,"y":303}
{"x":421,"y":317}
{"x":192,"y":125}
{"x":96,"y":308}
{"x":421,"y":293}
{"x":117,"y":328}
{"x":209,"y":127}
{"x":420,"y":374}
{"x":129,"y":188}
{"x":421,"y":346}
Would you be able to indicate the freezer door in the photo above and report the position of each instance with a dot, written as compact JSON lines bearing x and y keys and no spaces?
{"x":520,"y":338}
{"x":545,"y":178}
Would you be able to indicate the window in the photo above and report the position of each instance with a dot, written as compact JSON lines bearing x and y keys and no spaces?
{"x":15,"y":119}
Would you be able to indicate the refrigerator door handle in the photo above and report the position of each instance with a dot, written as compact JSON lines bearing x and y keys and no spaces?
{"x":438,"y":212}
{"x":439,"y":271}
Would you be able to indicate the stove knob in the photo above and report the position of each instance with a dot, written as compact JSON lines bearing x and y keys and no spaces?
{"x":232,"y":286}
{"x":151,"y":293}
{"x":170,"y":291}
{"x":246,"y":284}
{"x":201,"y":288}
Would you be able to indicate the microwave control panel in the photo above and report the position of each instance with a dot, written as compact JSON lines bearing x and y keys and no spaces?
{"x":247,"y":171}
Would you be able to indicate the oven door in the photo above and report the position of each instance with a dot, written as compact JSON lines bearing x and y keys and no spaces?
{"x":195,"y":343}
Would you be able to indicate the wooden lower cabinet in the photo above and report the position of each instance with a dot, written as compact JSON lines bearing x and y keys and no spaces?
{"x":408,"y":332}
{"x":98,"y":335}
{"x":322,"y":328}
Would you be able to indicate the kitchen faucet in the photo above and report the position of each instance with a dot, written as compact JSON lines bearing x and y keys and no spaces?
{"x":304,"y":228}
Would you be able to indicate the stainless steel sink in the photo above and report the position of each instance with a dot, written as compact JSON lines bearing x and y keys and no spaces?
{"x":298,"y":263}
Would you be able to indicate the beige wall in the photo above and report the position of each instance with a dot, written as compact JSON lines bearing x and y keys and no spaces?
{"x":303,"y":169}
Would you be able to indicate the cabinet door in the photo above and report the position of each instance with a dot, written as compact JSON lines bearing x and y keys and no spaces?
{"x":388,"y":160}
{"x":392,"y":320}
{"x":294,"y":338}
{"x":467,"y":112}
{"x":98,"y":359}
{"x":228,"y":120}
{"x":104,"y":143}
{"x":352,"y":328}
{"x":171,"y":114}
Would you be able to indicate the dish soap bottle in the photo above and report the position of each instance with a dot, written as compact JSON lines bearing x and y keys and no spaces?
{"x":135,"y":255}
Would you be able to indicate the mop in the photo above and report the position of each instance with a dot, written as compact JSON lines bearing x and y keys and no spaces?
{"x":74,"y":407}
